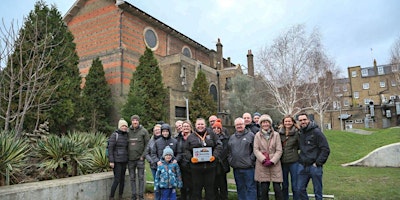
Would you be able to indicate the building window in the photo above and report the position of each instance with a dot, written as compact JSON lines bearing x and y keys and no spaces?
{"x":336,"y":89}
{"x":354,"y":74}
{"x":345,"y":88}
{"x":346,"y":102}
{"x":364,"y":72}
{"x":356,"y":95}
{"x":382,"y":84}
{"x":180,"y":112}
{"x":393,"y":83}
{"x":228,"y":83}
{"x":150,"y":38}
{"x":214,"y":92}
{"x":366,"y":101}
{"x":186,"y":52}
{"x":380,"y":70}
{"x":365,"y":86}
{"x":395,"y":68}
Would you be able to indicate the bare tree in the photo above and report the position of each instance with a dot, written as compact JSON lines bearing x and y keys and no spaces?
{"x":25,"y":79}
{"x":395,"y":60}
{"x":292,"y":66}
{"x":321,"y":97}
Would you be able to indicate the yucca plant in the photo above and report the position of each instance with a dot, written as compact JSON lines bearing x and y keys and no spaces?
{"x":62,"y":155}
{"x":95,"y":145}
{"x":98,"y":160}
{"x":12,"y":153}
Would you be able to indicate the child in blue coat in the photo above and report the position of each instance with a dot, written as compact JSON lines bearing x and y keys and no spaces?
{"x":168,"y":176}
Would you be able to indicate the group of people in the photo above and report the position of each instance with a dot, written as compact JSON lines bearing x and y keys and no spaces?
{"x":199,"y":157}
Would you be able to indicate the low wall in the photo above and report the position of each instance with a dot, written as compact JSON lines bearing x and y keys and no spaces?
{"x":86,"y":187}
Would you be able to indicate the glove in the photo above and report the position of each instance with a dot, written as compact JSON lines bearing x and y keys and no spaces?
{"x":194,"y":160}
{"x":267,"y":163}
{"x":212,"y":158}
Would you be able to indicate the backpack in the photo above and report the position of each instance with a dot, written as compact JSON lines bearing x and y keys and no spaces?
{"x":108,"y":142}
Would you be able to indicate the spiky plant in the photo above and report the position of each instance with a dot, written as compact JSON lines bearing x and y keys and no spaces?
{"x":13,"y":152}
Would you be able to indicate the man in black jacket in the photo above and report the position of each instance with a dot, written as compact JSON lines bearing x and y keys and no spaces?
{"x":314,"y":151}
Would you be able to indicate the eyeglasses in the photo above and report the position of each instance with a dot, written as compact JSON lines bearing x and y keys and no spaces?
{"x":302,"y":120}
{"x":216,"y":128}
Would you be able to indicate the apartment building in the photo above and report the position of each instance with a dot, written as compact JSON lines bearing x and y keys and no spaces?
{"x":368,"y":98}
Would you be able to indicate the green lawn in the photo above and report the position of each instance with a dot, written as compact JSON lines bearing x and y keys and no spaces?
{"x":351,"y":182}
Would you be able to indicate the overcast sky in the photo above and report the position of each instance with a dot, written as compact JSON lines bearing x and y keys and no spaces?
{"x":349,"y":28}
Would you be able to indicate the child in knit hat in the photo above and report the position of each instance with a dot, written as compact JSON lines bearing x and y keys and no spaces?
{"x":168,"y":176}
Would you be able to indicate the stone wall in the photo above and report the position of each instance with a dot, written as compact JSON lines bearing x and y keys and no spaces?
{"x":86,"y":187}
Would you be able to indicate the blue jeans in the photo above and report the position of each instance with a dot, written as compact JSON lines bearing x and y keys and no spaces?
{"x":168,"y":194}
{"x":245,"y":184}
{"x":305,"y":174}
{"x":293,"y":170}
{"x":138,"y":165}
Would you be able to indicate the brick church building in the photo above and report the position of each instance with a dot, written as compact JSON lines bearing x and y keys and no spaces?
{"x":118,"y":32}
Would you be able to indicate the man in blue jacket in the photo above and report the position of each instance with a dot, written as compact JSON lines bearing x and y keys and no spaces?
{"x":314,"y":151}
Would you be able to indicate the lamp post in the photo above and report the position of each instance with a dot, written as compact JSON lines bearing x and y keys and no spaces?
{"x":340,"y":114}
{"x":340,"y":111}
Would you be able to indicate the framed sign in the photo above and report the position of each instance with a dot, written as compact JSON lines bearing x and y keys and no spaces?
{"x":203,"y":153}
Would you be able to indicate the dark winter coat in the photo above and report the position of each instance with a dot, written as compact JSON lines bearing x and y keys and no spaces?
{"x":253,"y":127}
{"x":223,"y":164}
{"x":211,"y":140}
{"x":138,"y":139}
{"x":290,"y":145}
{"x":183,"y":158}
{"x":314,"y":147}
{"x":118,"y":149}
{"x":150,"y":146}
{"x":240,"y":148}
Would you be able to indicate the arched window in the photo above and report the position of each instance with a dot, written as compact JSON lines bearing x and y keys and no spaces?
{"x":186,"y":51}
{"x":214,"y":92}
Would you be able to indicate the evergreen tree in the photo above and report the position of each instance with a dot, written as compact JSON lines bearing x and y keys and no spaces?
{"x":147,"y":95}
{"x":64,"y":112}
{"x":201,"y":103}
{"x":96,"y":100}
{"x":42,"y":73}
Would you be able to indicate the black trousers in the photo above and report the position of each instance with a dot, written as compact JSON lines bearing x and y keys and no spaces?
{"x":221,"y":186}
{"x":119,"y":178}
{"x":186,"y":190}
{"x":263,"y":189}
{"x":203,"y":178}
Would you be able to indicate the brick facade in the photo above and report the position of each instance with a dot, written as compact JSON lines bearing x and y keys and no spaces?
{"x":116,"y":34}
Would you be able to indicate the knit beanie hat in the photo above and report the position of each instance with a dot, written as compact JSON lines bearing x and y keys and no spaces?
{"x":121,"y":123}
{"x":167,"y":151}
{"x":256,"y":114}
{"x":265,"y":118}
{"x":217,"y":123}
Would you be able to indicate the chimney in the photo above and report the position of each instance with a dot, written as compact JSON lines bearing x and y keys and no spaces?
{"x":219,"y":55}
{"x":250,"y":64}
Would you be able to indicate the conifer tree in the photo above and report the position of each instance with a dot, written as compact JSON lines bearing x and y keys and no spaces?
{"x":96,"y":100}
{"x":201,"y":103}
{"x":42,"y":74}
{"x":147,"y":95}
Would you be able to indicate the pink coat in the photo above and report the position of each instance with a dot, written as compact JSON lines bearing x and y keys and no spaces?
{"x":274,"y":172}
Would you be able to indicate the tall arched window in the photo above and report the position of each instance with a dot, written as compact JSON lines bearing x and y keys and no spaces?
{"x":214,"y":92}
